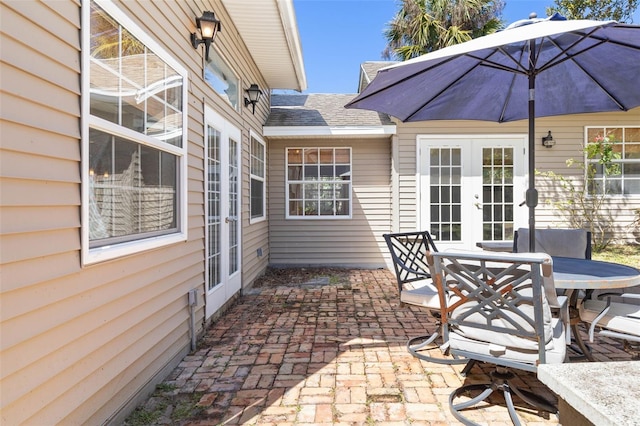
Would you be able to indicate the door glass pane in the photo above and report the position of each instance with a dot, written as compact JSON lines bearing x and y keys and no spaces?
{"x":445,"y":172}
{"x":234,"y":223}
{"x":213,"y":197}
{"x":497,"y":193}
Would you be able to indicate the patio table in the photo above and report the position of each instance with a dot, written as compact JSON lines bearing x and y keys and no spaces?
{"x":585,"y":274}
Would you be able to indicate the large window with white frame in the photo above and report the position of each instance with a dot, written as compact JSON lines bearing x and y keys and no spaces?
{"x":318,"y":183}
{"x":134,"y":155}
{"x":258,"y":178}
{"x":620,"y":176}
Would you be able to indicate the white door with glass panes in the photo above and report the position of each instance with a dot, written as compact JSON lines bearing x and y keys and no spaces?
{"x":470,"y":188}
{"x":222,"y":210}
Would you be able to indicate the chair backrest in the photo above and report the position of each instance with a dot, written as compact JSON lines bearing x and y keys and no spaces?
{"x":497,"y":310}
{"x":408,"y":252}
{"x":574,"y":243}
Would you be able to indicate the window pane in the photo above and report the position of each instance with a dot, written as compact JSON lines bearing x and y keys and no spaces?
{"x":632,"y":151}
{"x":326,"y":192}
{"x":257,"y":198}
{"x":311,"y":156}
{"x":326,"y":173}
{"x":294,"y":173}
{"x":132,"y":189}
{"x":310,"y":191}
{"x":295,"y":208}
{"x":342,"y":207}
{"x":130,"y":85}
{"x":311,"y":172}
{"x":326,"y":156}
{"x":343,"y":172}
{"x":343,"y":156}
{"x":326,"y":208}
{"x":295,"y":191}
{"x":310,"y":208}
{"x":221,"y":79}
{"x":294,"y":156}
{"x":632,"y":186}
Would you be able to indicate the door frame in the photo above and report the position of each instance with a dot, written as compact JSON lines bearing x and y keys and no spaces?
{"x":230,"y":283}
{"x":422,"y":194}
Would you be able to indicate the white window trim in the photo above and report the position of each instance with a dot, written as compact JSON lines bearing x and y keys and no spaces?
{"x":286,"y":189}
{"x":621,"y":162}
{"x":100,"y":254}
{"x":262,"y":218}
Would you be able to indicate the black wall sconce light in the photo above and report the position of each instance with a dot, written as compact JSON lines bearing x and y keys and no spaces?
{"x":548,"y":141}
{"x":208,"y":26}
{"x":253,"y":96}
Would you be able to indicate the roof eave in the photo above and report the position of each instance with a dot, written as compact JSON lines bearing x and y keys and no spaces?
{"x":270,"y":32}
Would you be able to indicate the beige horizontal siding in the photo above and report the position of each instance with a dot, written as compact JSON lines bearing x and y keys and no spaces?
{"x":345,"y":242}
{"x":78,"y":343}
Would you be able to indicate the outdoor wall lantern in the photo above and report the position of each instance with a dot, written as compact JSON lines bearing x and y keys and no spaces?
{"x":208,"y":26}
{"x":548,"y":141}
{"x":253,"y":93}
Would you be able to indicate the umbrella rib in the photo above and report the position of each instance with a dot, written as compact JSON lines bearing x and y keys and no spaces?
{"x":564,"y":56}
{"x":616,"y":42}
{"x":564,"y":52}
{"x":507,"y":99}
{"x":410,"y":116}
{"x":395,"y":82}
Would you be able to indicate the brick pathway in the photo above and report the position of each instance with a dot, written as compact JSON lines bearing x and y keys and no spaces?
{"x":321,"y":355}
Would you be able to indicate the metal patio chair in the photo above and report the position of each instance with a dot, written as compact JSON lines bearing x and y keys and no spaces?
{"x":615,"y":318}
{"x":498,"y":311}
{"x":408,"y":252}
{"x":574,"y":243}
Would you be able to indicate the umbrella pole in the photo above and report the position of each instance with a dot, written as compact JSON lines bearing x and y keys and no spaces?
{"x":532,"y":193}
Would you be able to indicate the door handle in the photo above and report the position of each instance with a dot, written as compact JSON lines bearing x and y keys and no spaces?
{"x":477,"y":203}
{"x":231,"y":219}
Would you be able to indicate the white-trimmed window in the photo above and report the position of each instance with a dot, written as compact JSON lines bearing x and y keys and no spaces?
{"x":258,"y":181}
{"x":134,"y":155}
{"x":318,"y":183}
{"x":622,"y":176}
{"x":220,"y":77}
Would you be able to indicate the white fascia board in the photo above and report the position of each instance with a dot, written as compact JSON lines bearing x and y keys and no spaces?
{"x":328,"y":131}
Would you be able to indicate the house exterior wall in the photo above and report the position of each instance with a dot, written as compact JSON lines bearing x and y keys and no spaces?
{"x":339,"y":242}
{"x":81,"y":342}
{"x":568,"y":132}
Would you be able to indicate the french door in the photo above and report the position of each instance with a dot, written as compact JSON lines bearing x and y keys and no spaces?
{"x":470,"y":188}
{"x":222,"y":211}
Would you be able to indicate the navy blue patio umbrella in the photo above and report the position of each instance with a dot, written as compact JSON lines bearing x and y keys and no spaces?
{"x":534,"y":68}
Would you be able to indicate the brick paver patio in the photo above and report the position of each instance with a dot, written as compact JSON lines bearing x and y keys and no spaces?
{"x":325,"y":354}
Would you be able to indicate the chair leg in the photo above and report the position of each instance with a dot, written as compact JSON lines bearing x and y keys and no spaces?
{"x":583,"y":350}
{"x":426,"y":344}
{"x":501,"y":380}
{"x":468,"y":367}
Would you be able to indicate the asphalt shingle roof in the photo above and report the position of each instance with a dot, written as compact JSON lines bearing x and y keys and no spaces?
{"x":368,"y":71}
{"x":320,"y":110}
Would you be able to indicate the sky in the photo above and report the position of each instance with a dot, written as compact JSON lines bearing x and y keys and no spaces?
{"x":338,"y":35}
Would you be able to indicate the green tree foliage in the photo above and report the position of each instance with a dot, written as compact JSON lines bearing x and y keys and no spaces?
{"x":601,"y":10}
{"x":422,"y":26}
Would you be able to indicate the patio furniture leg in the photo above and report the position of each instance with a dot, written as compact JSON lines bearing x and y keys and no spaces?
{"x":583,"y":348}
{"x":426,"y":344}
{"x":501,"y":380}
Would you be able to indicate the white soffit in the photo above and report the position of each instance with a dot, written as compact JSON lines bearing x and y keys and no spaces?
{"x":270,"y":31}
